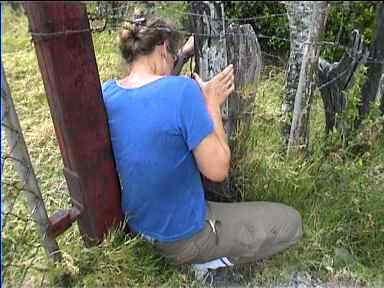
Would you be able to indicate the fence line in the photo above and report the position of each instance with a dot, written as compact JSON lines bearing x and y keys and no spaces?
{"x":320,"y":43}
{"x":336,"y":44}
{"x":210,"y":18}
{"x":18,"y":153}
{"x":189,"y":33}
{"x":326,"y":43}
{"x":322,"y":86}
{"x":250,"y":57}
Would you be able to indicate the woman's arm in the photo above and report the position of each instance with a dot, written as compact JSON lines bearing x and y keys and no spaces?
{"x":183,"y":55}
{"x":213,"y":154}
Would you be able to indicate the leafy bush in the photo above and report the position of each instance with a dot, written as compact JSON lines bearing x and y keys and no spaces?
{"x":264,"y":24}
{"x":343,"y":18}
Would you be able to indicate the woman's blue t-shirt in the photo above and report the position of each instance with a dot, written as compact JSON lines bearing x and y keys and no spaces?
{"x":154,"y":129}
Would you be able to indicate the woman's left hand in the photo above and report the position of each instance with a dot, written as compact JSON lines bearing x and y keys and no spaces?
{"x":218,"y":88}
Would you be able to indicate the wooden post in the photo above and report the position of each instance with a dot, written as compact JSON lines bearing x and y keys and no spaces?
{"x":210,"y":59}
{"x":244,"y":53}
{"x":335,"y":79}
{"x":24,"y":169}
{"x":298,"y":138}
{"x":210,"y":42}
{"x":64,"y":48}
{"x":216,"y":46}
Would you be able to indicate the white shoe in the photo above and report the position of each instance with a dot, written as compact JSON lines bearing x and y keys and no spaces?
{"x":201,"y":270}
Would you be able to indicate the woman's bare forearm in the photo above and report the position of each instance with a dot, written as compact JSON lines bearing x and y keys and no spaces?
{"x":215,"y":113}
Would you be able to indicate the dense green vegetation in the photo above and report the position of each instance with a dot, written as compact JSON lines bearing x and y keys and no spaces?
{"x":343,"y":18}
{"x":338,"y":190}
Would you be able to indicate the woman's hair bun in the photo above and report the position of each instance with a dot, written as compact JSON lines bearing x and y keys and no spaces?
{"x":141,"y":34}
{"x":130,"y":30}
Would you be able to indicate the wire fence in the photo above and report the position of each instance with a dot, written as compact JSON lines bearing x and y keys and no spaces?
{"x":108,"y":18}
{"x":117,"y":18}
{"x":23,"y":208}
{"x":24,"y":213}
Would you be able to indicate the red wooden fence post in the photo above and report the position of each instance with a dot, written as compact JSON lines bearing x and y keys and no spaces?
{"x":64,"y":48}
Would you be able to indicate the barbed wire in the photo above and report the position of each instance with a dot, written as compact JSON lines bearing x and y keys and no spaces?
{"x":162,"y":8}
{"x":328,"y":43}
{"x":227,"y":19}
{"x":318,"y":43}
{"x":127,"y":18}
{"x":322,"y":43}
{"x":244,"y":35}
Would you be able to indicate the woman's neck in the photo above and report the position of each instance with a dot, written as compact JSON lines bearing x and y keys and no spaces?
{"x":141,"y":72}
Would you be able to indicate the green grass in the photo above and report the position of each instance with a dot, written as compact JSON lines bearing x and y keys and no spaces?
{"x":339,"y":193}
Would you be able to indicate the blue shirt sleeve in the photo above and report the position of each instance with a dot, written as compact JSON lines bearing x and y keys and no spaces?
{"x":195,"y":121}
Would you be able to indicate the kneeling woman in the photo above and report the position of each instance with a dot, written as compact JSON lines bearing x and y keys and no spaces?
{"x":165,"y":131}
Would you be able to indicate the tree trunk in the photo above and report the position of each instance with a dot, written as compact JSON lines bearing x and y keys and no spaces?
{"x":298,"y":138}
{"x":299,"y":18}
{"x":375,"y":66}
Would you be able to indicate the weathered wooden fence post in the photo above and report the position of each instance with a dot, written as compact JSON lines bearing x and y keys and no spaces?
{"x":24,"y":169}
{"x":210,"y":42}
{"x":216,"y":46}
{"x":335,"y":79}
{"x":66,"y":57}
{"x":210,"y":59}
{"x":244,"y":53}
{"x":298,"y":138}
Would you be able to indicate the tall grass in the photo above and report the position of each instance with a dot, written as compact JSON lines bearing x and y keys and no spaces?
{"x":338,"y":192}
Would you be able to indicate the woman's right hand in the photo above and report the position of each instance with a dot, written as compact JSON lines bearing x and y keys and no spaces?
{"x":219,"y":87}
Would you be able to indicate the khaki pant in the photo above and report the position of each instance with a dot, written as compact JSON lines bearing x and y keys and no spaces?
{"x":242,"y":232}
